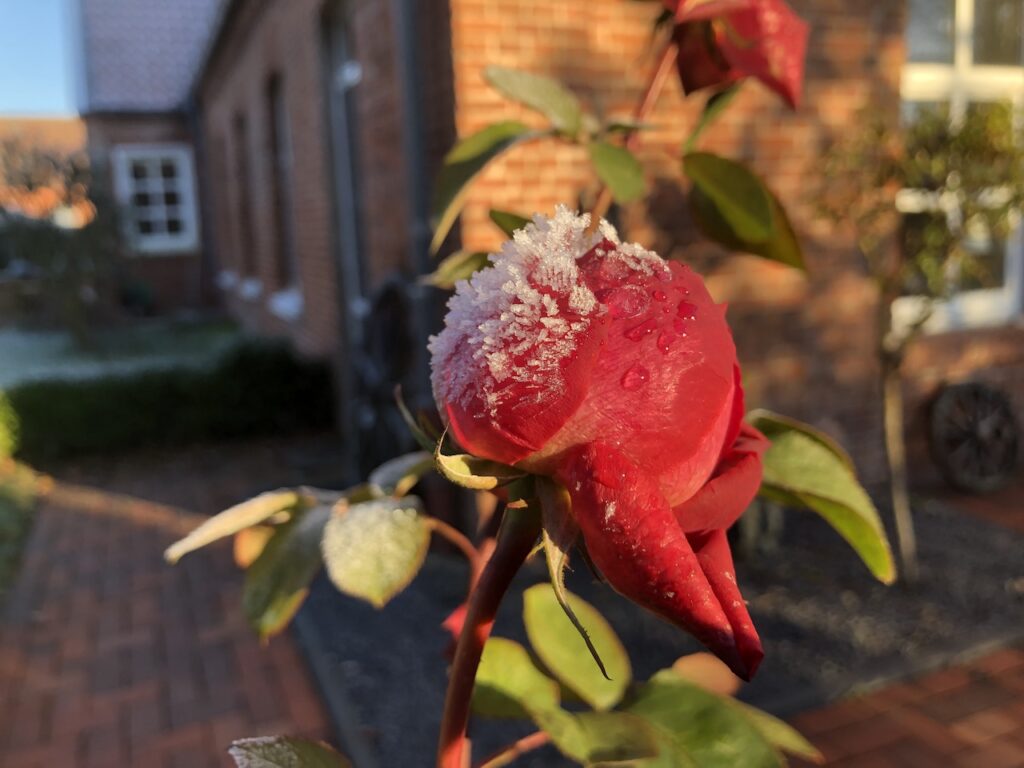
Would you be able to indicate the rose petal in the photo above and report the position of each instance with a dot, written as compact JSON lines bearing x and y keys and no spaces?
{"x":700,"y":62}
{"x":635,"y":541}
{"x":768,"y":42}
{"x":695,"y":10}
{"x":712,"y":549}
{"x":720,"y":502}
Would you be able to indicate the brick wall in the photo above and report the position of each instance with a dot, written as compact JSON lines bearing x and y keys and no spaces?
{"x":286,"y":38}
{"x":176,"y":281}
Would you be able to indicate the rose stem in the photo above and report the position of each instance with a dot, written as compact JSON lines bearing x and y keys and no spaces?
{"x":456,"y":537}
{"x":516,"y":537}
{"x":643,"y":110}
{"x":516,"y":749}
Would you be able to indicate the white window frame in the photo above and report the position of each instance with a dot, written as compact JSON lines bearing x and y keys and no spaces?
{"x":158,"y":243}
{"x":959,"y":84}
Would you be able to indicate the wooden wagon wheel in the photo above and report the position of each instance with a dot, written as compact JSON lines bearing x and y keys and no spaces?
{"x":974,"y":437}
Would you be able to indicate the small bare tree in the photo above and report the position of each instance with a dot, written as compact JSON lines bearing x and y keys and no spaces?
{"x":920,"y":198}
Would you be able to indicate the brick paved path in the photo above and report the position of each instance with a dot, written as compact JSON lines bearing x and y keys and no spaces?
{"x":109,"y":657}
{"x":969,"y":716}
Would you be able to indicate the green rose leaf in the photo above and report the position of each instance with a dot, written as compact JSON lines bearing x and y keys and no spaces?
{"x":474,"y":473}
{"x":566,"y":655}
{"x":507,"y":221}
{"x":509,"y":684}
{"x":779,"y":734}
{"x":461,"y":265}
{"x":284,"y":752}
{"x":783,"y":246}
{"x":373,"y":550}
{"x":739,"y":196}
{"x":415,"y":427}
{"x":713,"y":108}
{"x":398,"y":476}
{"x":558,"y":535}
{"x":238,"y":518}
{"x":599,"y":738}
{"x":698,"y":728}
{"x":541,"y":94}
{"x":804,"y":468}
{"x":618,"y":169}
{"x":463,"y":163}
{"x":278,"y":580}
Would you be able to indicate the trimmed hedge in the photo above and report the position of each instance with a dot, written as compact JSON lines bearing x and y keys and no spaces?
{"x":260,"y":388}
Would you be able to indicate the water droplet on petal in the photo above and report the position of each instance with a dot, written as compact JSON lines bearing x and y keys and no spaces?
{"x":687,"y":310}
{"x":634,"y":378}
{"x":645,"y":328}
{"x":665,"y":340}
{"x":627,"y":301}
{"x":659,"y":295}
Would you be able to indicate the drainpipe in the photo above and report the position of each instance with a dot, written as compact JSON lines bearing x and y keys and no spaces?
{"x":405,"y":13}
{"x":207,"y":250}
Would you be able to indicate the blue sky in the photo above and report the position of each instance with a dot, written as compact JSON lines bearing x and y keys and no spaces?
{"x":35,"y":67}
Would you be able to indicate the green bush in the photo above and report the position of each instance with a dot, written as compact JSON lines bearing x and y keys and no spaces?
{"x":18,"y":490}
{"x":258,"y":389}
{"x":8,"y":428}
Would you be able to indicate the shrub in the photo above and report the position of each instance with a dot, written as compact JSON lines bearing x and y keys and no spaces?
{"x":259,"y":388}
{"x":8,"y":428}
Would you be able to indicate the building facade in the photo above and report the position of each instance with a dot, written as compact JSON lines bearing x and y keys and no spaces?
{"x":318,"y":126}
{"x":135,"y":64}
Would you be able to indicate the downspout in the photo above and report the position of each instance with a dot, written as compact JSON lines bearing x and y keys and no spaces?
{"x":207,"y":248}
{"x":422,"y":297}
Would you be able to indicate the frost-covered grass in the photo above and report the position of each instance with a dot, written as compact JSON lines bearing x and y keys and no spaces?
{"x":50,"y":355}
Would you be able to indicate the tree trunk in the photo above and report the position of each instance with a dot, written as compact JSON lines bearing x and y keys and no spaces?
{"x":890,"y":357}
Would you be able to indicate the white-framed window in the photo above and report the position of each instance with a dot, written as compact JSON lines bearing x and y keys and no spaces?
{"x":155,"y":185}
{"x":962,"y":55}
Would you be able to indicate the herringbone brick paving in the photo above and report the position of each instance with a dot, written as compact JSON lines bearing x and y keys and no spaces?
{"x":109,"y":657}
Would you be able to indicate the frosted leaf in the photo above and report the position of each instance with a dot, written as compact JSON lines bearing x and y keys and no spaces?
{"x":284,"y":752}
{"x":374,"y":549}
{"x":510,"y":326}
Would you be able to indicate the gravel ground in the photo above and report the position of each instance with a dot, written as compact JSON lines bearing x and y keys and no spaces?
{"x":828,"y":628}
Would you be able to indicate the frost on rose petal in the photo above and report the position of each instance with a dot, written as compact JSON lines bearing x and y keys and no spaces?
{"x":514,"y":323}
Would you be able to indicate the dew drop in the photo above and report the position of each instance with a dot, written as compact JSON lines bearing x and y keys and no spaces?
{"x":627,"y":301}
{"x":634,"y":378}
{"x":665,"y":340}
{"x":659,"y":295}
{"x":645,"y":328}
{"x":687,"y":310}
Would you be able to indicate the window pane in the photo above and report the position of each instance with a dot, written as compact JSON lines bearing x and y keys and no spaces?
{"x":145,"y":227}
{"x":171,"y":198}
{"x":997,"y":31}
{"x":138,"y":170}
{"x":174,"y":226}
{"x":930,"y":31}
{"x":140,"y":199}
{"x":168,"y":169}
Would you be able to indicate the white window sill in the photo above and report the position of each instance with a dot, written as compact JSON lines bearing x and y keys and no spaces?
{"x":226,"y":279}
{"x":250,"y":289}
{"x":287,"y":304}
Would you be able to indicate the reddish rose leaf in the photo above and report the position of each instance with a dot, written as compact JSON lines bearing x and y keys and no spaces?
{"x":763,"y":39}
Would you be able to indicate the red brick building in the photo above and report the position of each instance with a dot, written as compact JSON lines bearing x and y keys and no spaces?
{"x":322,"y":123}
{"x":135,"y":64}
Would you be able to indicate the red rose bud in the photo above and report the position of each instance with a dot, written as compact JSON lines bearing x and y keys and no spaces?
{"x":763,"y":39}
{"x":599,"y":364}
